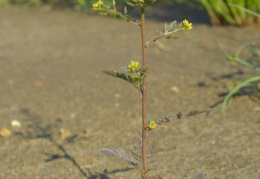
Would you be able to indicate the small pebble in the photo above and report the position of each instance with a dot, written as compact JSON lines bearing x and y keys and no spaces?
{"x":4,"y":132}
{"x":10,"y":82}
{"x":175,"y":89}
{"x":64,"y":133}
{"x":204,"y":42}
{"x":88,"y":131}
{"x":38,"y":83}
{"x":81,"y":160}
{"x":72,"y":115}
{"x":117,"y":95}
{"x":256,"y":109}
{"x":16,"y":124}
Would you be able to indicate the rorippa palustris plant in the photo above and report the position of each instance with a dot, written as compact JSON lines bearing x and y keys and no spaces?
{"x":136,"y":74}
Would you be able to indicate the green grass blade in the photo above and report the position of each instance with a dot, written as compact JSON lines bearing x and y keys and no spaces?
{"x":243,"y":46}
{"x":242,"y":13}
{"x":236,"y":58}
{"x":257,"y":85}
{"x":244,"y":9}
{"x":255,"y":52}
{"x":235,"y":90}
{"x":234,"y":12}
{"x":213,"y":16}
{"x":242,"y":62}
{"x":222,"y":9}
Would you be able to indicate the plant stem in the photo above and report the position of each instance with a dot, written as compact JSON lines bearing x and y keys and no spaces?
{"x":114,"y":5}
{"x":144,"y":117}
{"x":160,"y":36}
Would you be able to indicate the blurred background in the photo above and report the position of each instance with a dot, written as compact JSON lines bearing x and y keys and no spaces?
{"x":219,"y":11}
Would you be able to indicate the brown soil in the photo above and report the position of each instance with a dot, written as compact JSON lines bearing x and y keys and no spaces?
{"x":50,"y":77}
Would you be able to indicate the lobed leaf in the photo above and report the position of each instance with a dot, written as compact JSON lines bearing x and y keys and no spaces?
{"x":119,"y":154}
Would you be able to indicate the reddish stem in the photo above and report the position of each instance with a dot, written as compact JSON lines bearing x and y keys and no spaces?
{"x":144,"y":117}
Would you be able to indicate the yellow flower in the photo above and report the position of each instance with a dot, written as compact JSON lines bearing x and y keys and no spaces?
{"x":133,"y":66}
{"x":98,"y":4}
{"x":152,"y":125}
{"x":187,"y":25}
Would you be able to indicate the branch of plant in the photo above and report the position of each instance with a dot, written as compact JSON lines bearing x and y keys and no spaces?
{"x":169,"y":29}
{"x":160,"y":36}
{"x":179,"y":116}
{"x":104,"y":10}
{"x":139,"y":170}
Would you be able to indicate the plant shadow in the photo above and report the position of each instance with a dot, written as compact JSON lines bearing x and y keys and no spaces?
{"x":39,"y":131}
{"x":223,"y":80}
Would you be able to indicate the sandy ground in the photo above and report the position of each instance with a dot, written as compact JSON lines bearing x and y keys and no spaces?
{"x":51,"y":80}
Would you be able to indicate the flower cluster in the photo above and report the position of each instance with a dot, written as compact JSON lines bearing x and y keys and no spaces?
{"x":152,"y":125}
{"x":97,"y":5}
{"x":186,"y":25}
{"x":126,"y":73}
{"x":134,"y":66}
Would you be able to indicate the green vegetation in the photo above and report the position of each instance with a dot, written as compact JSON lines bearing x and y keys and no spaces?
{"x":226,"y":11}
{"x":253,"y":81}
{"x":252,"y":63}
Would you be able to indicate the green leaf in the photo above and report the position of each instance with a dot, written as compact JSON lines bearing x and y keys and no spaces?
{"x":235,"y":90}
{"x":136,"y":80}
{"x":149,"y":2}
{"x":255,"y":52}
{"x":168,"y":37}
